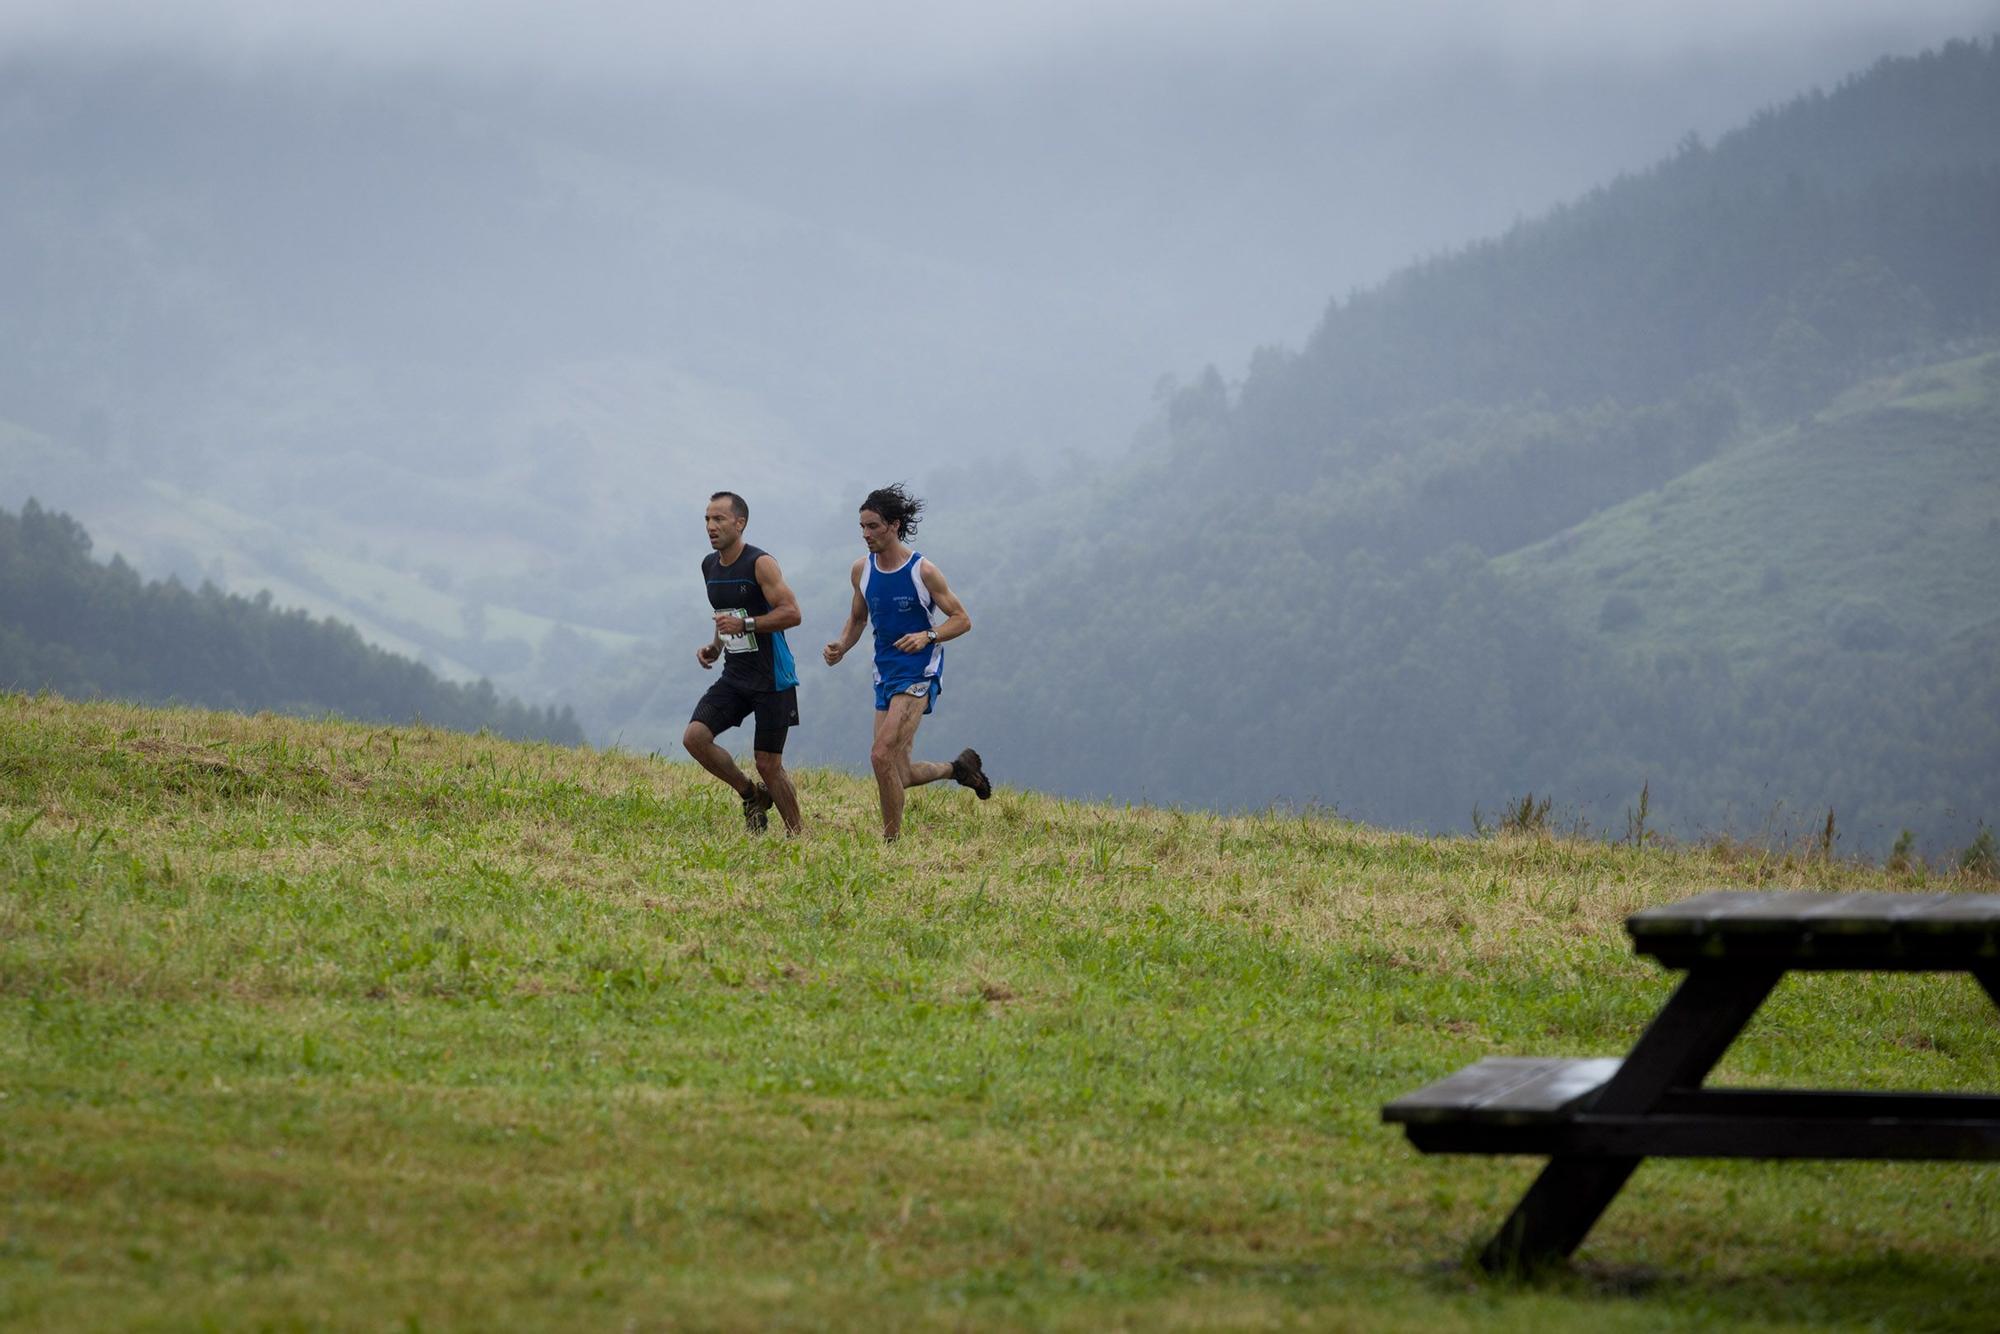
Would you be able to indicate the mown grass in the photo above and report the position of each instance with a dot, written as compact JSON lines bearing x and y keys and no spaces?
{"x":321,"y":1025}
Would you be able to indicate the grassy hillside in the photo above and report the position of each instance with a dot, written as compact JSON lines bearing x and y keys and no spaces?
{"x":319,"y":1025}
{"x":1870,"y":526}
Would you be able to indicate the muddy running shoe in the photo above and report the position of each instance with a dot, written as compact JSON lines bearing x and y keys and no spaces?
{"x":965,"y":771}
{"x":757,"y":807}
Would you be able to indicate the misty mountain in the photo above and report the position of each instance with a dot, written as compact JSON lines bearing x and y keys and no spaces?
{"x":454,"y":356}
{"x":1300,"y":587}
{"x":432,"y":358}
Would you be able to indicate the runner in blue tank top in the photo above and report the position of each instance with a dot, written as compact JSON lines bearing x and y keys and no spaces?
{"x":900,"y":592}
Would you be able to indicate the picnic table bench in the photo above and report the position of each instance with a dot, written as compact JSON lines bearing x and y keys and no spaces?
{"x":1597,"y":1119}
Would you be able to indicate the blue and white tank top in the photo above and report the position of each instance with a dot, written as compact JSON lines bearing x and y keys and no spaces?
{"x":899,"y":603}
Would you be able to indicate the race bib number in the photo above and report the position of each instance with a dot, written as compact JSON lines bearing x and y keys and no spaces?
{"x":739,"y":643}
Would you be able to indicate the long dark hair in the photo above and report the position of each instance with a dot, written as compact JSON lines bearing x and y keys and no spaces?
{"x":896,"y":506}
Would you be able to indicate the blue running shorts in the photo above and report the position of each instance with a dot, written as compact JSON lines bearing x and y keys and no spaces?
{"x":930,"y":688}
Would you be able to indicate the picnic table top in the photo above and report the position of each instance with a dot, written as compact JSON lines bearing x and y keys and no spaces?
{"x":1817,"y":929}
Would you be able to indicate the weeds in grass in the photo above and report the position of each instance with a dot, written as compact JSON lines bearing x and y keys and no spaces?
{"x":1527,"y":816}
{"x":1902,"y":854}
{"x":1981,"y":857}
{"x":1636,"y":832}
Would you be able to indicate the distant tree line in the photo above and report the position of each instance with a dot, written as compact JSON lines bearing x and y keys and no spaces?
{"x":1408,"y":697}
{"x":77,"y":627}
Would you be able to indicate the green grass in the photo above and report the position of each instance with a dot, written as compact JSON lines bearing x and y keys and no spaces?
{"x":1880,"y":512}
{"x":320,"y":1025}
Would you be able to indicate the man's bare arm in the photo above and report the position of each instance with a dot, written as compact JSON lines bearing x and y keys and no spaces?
{"x":857,"y":621}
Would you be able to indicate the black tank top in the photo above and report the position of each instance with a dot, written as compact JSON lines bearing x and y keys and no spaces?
{"x":760,"y":660}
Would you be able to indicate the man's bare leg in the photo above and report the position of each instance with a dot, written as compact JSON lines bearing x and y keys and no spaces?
{"x":700,"y":743}
{"x":771,"y":768}
{"x":895,"y":733}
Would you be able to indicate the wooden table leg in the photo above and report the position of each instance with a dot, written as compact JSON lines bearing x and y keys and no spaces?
{"x":1551,"y":1220}
{"x":1677,"y":1050}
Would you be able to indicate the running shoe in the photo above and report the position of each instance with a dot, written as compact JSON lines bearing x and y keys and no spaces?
{"x":757,"y":807}
{"x":965,"y":771}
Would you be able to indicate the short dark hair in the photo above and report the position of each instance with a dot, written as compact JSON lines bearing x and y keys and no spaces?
{"x":896,"y":506}
{"x":736,"y":502}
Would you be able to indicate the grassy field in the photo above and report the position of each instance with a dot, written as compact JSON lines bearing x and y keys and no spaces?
{"x":320,"y":1025}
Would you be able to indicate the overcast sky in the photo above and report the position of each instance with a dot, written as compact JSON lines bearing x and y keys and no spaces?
{"x":1134,"y":187}
{"x":889,"y":41}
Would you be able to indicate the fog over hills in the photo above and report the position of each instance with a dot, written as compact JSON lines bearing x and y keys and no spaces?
{"x":445,"y":319}
{"x":1744,"y":400}
{"x":491,"y":300}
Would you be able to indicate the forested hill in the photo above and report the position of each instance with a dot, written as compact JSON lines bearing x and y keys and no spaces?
{"x":1288,"y":593}
{"x":84,"y":629}
{"x":1782,"y":262}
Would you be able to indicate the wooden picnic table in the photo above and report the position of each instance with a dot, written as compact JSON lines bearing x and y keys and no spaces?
{"x":1597,"y":1119}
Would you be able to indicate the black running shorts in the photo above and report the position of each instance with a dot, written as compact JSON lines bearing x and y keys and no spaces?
{"x":727,"y":704}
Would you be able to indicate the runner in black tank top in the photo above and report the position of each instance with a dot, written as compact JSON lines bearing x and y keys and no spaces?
{"x":753,"y":609}
{"x":759,"y":659}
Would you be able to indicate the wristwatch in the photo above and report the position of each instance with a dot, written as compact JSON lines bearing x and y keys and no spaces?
{"x":749,"y":625}
{"x":932,"y":634}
